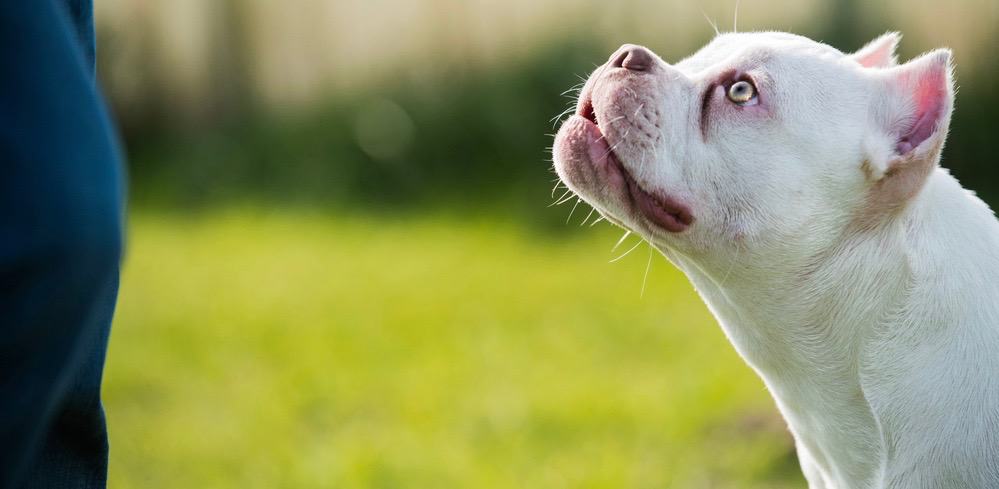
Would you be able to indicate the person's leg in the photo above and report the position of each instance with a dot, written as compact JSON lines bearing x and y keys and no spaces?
{"x":61,"y":209}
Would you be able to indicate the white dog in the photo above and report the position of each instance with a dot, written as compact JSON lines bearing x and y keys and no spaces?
{"x":799,"y":189}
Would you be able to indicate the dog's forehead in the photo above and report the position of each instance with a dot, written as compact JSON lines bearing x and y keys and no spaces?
{"x":729,"y":46}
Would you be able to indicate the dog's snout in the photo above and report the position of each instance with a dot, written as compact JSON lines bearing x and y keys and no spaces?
{"x":633,"y":58}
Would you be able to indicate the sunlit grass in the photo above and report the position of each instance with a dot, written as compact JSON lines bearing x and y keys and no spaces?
{"x":304,"y":350}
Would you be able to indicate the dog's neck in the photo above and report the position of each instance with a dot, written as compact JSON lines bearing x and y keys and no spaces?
{"x":807,"y":324}
{"x":799,"y":329}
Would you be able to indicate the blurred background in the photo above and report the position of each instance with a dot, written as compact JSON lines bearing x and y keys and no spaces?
{"x":343,"y":270}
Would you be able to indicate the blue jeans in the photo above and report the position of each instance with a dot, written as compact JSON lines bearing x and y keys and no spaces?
{"x":61,"y":213}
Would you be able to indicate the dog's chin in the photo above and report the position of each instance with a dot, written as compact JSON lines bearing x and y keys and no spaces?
{"x":586,"y":162}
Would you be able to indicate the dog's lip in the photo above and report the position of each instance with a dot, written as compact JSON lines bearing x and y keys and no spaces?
{"x":661,"y":209}
{"x":658,"y":208}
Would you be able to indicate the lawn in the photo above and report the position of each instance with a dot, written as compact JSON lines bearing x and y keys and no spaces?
{"x":295,"y":349}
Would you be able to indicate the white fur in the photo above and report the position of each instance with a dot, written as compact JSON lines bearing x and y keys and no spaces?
{"x":869,"y":304}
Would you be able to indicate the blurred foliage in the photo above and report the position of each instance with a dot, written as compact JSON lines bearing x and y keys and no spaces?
{"x":472,"y":136}
{"x":465,"y":135}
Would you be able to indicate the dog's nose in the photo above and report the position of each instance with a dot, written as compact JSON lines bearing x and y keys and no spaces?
{"x":634,"y":58}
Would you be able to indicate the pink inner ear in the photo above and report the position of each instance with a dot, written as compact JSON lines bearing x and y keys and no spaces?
{"x":877,"y":58}
{"x":929,"y":98}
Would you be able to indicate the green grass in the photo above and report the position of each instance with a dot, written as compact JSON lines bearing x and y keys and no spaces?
{"x":304,"y":350}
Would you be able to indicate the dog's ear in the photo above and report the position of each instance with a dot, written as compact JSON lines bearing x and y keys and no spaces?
{"x":879,"y":53}
{"x":911,"y":113}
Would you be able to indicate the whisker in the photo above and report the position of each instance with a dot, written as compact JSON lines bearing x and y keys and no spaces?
{"x":627,"y":233}
{"x":594,"y":223}
{"x":597,"y":76}
{"x":559,"y":200}
{"x":615,"y":146}
{"x":578,"y":86}
{"x":587,"y":218}
{"x":562,"y":114}
{"x":627,"y":252}
{"x":710,"y":22}
{"x":558,"y":183}
{"x":567,"y":199}
{"x":573,"y":210}
{"x":645,"y":279}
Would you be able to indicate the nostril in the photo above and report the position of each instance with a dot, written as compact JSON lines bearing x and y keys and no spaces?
{"x":617,"y":61}
{"x":633,"y":58}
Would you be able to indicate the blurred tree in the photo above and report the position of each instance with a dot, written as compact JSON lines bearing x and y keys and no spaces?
{"x":231,"y":84}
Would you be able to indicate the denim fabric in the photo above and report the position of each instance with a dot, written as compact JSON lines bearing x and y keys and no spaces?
{"x":61,"y":213}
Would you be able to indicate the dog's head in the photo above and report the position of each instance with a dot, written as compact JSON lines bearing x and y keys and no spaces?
{"x":759,"y":140}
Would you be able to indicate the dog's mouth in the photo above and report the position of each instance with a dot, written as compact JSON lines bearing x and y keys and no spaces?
{"x":657,"y":207}
{"x":587,"y":112}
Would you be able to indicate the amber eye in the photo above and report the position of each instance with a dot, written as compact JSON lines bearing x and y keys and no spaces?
{"x":742,"y":92}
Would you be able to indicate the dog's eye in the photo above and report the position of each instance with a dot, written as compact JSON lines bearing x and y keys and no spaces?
{"x":742,"y":92}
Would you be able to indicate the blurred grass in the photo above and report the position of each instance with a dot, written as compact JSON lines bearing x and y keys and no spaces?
{"x":304,"y":349}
